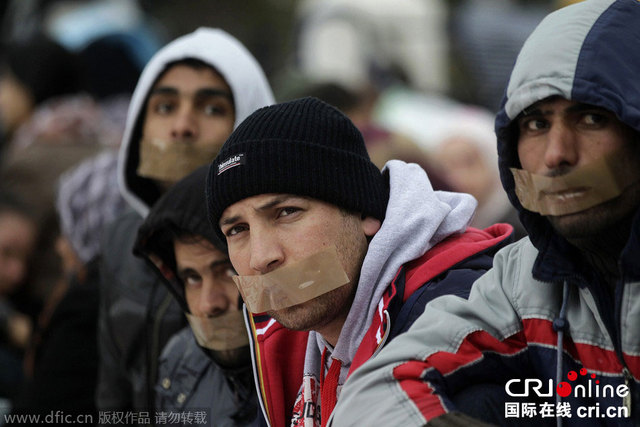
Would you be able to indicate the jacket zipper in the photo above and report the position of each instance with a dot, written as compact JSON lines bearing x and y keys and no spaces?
{"x":254,"y":362}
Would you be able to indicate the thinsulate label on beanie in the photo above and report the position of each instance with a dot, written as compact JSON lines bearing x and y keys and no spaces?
{"x":231,"y":162}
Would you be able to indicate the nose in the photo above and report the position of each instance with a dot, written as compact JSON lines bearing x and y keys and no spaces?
{"x":561,"y":149}
{"x":185,"y":125}
{"x":266,"y":252}
{"x":213,"y":300}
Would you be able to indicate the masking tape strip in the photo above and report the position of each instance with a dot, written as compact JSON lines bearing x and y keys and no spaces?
{"x":293,"y":284}
{"x":172,"y":161}
{"x":224,"y":332}
{"x":580,"y":189}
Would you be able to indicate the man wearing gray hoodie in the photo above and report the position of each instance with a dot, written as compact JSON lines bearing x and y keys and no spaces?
{"x":189,"y":98}
{"x":335,"y":258}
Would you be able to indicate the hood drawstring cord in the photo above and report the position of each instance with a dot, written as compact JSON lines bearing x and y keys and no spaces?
{"x":561,"y":325}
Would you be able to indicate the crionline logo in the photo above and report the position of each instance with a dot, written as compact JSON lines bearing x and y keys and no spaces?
{"x":536,"y":387}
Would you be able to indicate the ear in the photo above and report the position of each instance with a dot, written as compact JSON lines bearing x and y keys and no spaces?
{"x":370,"y":225}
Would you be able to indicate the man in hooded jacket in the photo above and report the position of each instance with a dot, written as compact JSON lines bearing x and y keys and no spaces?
{"x":190,"y":96}
{"x":554,"y":325}
{"x":335,"y":258}
{"x":179,"y":243}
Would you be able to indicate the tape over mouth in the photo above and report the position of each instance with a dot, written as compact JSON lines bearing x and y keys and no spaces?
{"x":171,"y":161}
{"x":582,"y":188}
{"x":224,"y":332}
{"x":294,"y":284}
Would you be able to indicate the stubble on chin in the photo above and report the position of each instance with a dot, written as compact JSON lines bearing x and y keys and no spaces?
{"x":314,"y":314}
{"x":599,"y":219}
{"x":234,"y":358}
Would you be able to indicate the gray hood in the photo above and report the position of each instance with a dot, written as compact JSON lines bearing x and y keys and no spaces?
{"x":230,"y":59}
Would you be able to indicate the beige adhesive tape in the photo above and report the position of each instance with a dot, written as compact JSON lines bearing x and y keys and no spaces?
{"x":580,"y":189}
{"x":172,"y":161}
{"x":224,"y":332}
{"x":293,"y":284}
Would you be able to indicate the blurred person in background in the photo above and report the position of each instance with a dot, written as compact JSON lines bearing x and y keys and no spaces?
{"x":62,"y":363}
{"x":357,"y":42}
{"x":178,"y":241}
{"x":189,"y":98}
{"x":76,"y":23}
{"x":460,"y":142}
{"x":61,"y":125}
{"x":17,"y":310}
{"x":467,"y":158}
{"x":32,"y":72}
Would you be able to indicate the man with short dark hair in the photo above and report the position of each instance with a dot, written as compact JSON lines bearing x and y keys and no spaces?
{"x":334,"y":257}
{"x":178,"y":242}
{"x":550,"y":334}
{"x":189,"y":98}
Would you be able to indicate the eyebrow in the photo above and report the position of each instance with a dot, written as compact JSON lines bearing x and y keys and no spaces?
{"x":163,"y":90}
{"x":533,"y":110}
{"x":582,"y":107}
{"x":200,"y":93}
{"x":276,"y":200}
{"x":212,"y":93}
{"x":538,"y":110}
{"x":214,"y":264}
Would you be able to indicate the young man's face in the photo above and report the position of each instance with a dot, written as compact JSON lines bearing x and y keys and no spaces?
{"x":269,"y":231}
{"x":556,"y":136}
{"x":206,"y":274}
{"x":190,"y":105}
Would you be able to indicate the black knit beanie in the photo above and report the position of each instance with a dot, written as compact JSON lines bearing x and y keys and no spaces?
{"x":303,"y":147}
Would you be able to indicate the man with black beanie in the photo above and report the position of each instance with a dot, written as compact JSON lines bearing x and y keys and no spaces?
{"x":334,"y":258}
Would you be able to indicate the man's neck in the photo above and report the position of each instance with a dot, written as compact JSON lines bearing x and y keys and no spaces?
{"x":331,"y":331}
{"x":603,"y":250}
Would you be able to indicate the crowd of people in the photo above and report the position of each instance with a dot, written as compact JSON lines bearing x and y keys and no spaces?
{"x":183,"y":243}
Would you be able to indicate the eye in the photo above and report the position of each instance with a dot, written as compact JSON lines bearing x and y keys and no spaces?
{"x":163,"y":107}
{"x":235,"y":230}
{"x":533,"y":124}
{"x":287,"y":211}
{"x":214,"y":110}
{"x":192,"y":279}
{"x":594,"y":119}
